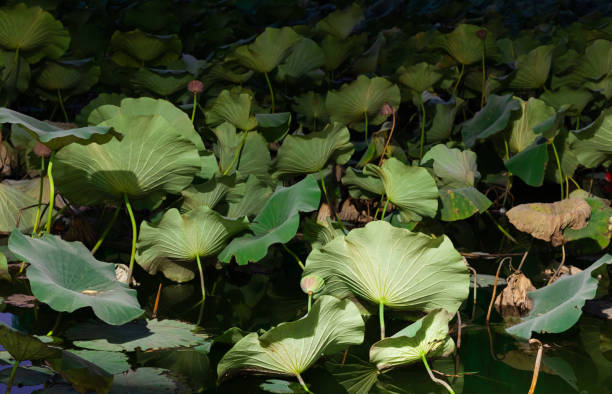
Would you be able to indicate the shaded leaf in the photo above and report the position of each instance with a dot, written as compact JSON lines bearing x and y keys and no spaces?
{"x":25,"y":347}
{"x":234,"y":108}
{"x":268,"y":50}
{"x":136,"y":48}
{"x":532,"y":68}
{"x":491,"y":119}
{"x":340,"y":23}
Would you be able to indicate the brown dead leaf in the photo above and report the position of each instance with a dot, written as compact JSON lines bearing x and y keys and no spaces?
{"x":21,"y":300}
{"x":8,"y":159}
{"x":349,"y":213}
{"x":324,"y":212}
{"x":547,"y":221}
{"x":513,"y":301}
{"x":565,"y":270}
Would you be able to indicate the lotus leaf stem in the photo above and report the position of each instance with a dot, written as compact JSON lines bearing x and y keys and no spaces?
{"x":40,"y":194}
{"x":459,"y":79}
{"x":382,"y":157}
{"x":422,"y":105}
{"x":458,"y":330}
{"x":156,"y":305}
{"x":302,"y":383}
{"x":300,"y":263}
{"x":134,"y":237}
{"x":365,"y":115}
{"x":202,"y":285}
{"x":195,"y":105}
{"x":9,"y":384}
{"x":559,"y":168}
{"x":500,"y":228}
{"x":495,"y":286}
{"x":309,"y":300}
{"x":382,"y":217}
{"x":484,"y":76}
{"x":566,"y":186}
{"x":558,"y":270}
{"x":536,"y":368}
{"x":58,"y":320}
{"x":271,"y":91}
{"x":237,"y":154}
{"x":106,"y":230}
{"x":574,"y":182}
{"x":328,"y":202}
{"x":509,"y":178}
{"x":436,"y":380}
{"x":51,"y":192}
{"x":381,"y":317}
{"x":61,"y":104}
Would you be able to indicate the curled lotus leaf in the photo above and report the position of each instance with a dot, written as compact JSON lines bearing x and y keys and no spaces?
{"x":268,"y":50}
{"x":232,"y":107}
{"x":136,"y":48}
{"x":546,"y":221}
{"x":341,"y":23}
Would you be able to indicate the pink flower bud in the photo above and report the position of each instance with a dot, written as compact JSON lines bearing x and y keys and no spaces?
{"x":482,"y":34}
{"x":195,"y":86}
{"x":310,"y":284}
{"x":387,"y":109}
{"x":41,"y":150}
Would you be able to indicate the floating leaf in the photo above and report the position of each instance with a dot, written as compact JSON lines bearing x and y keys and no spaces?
{"x":67,"y":277}
{"x":394,"y":267}
{"x":268,"y":50}
{"x":143,"y":381}
{"x":341,"y":23}
{"x":532,"y":68}
{"x":83,"y":374}
{"x":136,"y":48}
{"x":25,"y":347}
{"x":558,"y":306}
{"x":234,"y":108}
{"x":277,"y":222}
{"x":491,"y":119}
{"x":111,"y":362}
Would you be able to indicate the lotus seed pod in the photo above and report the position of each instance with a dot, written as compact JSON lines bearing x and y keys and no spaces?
{"x":387,"y":109}
{"x":41,"y":150}
{"x":482,"y":34}
{"x":195,"y":86}
{"x":311,"y":284}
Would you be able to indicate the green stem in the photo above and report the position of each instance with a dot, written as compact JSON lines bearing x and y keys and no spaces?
{"x":422,"y":126}
{"x":134,"y":237}
{"x":431,"y":375}
{"x":61,"y":103}
{"x":9,"y":384}
{"x":509,"y":177}
{"x":459,"y":79}
{"x":382,"y":217}
{"x":309,"y":300}
{"x":202,"y":286}
{"x":271,"y":90}
{"x":195,"y":105}
{"x":381,"y":317}
{"x":365,"y":114}
{"x":294,"y":256}
{"x":58,"y":319}
{"x":302,"y":383}
{"x":237,"y":154}
{"x":40,"y":194}
{"x":484,"y":76}
{"x":106,"y":230}
{"x":51,"y":192}
{"x":328,"y":202}
{"x":500,"y":228}
{"x":559,"y":167}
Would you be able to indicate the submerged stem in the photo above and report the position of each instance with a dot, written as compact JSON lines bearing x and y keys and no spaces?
{"x":134,"y":237}
{"x":381,"y":317}
{"x":271,"y":90}
{"x":237,"y":154}
{"x":51,"y":192}
{"x":436,"y":380}
{"x":422,"y":105}
{"x":9,"y":384}
{"x":40,"y":194}
{"x":61,"y":104}
{"x":106,"y":230}
{"x":295,"y":257}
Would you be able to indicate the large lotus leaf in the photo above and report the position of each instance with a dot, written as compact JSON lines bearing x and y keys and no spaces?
{"x":369,"y":60}
{"x":355,"y":375}
{"x":305,"y":58}
{"x":427,"y":337}
{"x":268,"y":50}
{"x":412,"y":189}
{"x":136,"y":48}
{"x":71,"y":77}
{"x":558,"y":306}
{"x":594,"y":145}
{"x":15,"y":72}
{"x":12,"y":199}
{"x":358,"y":182}
{"x":111,"y":362}
{"x":530,"y":164}
{"x":25,"y":347}
{"x":597,"y":60}
{"x":291,"y":348}
{"x":454,"y":168}
{"x":461,"y":203}
{"x":341,"y":23}
{"x":67,"y":277}
{"x":311,"y":153}
{"x":273,"y":127}
{"x":191,"y":363}
{"x":311,"y":106}
{"x":248,"y":198}
{"x":84,"y":375}
{"x":597,"y":226}
{"x":229,"y":71}
{"x":56,"y":137}
{"x":83,"y":118}
{"x":277,"y":222}
{"x":161,"y":83}
{"x":144,"y":381}
{"x":572,"y":100}
{"x":234,"y":108}
{"x":443,"y":121}
{"x":337,"y":50}
{"x":532,"y":68}
{"x":523,"y":127}
{"x":363,"y":97}
{"x":208,"y":194}
{"x":33,"y":32}
{"x":200,"y":232}
{"x":419,"y":77}
{"x":152,"y":159}
{"x":392,"y":266}
{"x":491,"y":119}
{"x":465,"y":45}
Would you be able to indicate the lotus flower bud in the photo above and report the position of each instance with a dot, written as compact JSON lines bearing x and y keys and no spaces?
{"x":311,"y":284}
{"x":41,"y":150}
{"x":482,"y":34}
{"x":387,"y":109}
{"x":195,"y":86}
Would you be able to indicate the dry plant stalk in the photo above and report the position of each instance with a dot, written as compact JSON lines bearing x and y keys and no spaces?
{"x":513,"y":300}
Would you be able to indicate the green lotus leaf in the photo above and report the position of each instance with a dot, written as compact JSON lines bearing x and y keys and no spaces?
{"x":572,"y":100}
{"x":277,"y":222}
{"x":84,"y":119}
{"x":311,"y":107}
{"x":341,"y":23}
{"x":355,"y":375}
{"x":230,"y":71}
{"x":67,"y":277}
{"x":419,"y":77}
{"x":13,"y":200}
{"x":4,"y":271}
{"x":523,"y":131}
{"x":337,"y":50}
{"x":533,"y":68}
{"x":143,"y":381}
{"x":247,"y":198}
{"x":358,"y":182}
{"x":136,"y":48}
{"x":111,"y":362}
{"x":464,"y":44}
{"x":234,"y":108}
{"x":200,"y":232}
{"x":454,"y":168}
{"x":161,"y":83}
{"x":461,"y":203}
{"x":15,"y":72}
{"x":593,"y":145}
{"x":530,"y":163}
{"x":305,"y":58}
{"x":268,"y":50}
{"x":56,"y":137}
{"x":153,"y":159}
{"x":412,"y":189}
{"x":291,"y":348}
{"x":140,"y":334}
{"x":491,"y":119}
{"x":394,"y":267}
{"x":426,"y":337}
{"x":25,"y":347}
{"x":311,"y":153}
{"x":33,"y":32}
{"x":208,"y":194}
{"x":71,"y":77}
{"x":597,"y":60}
{"x":273,"y":127}
{"x":597,"y":226}
{"x":362,"y":98}
{"x":558,"y":306}
{"x":281,"y":386}
{"x":369,"y":60}
{"x":83,"y":374}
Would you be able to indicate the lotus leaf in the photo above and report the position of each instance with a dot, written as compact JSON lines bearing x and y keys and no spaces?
{"x":268,"y":50}
{"x":461,"y":203}
{"x":359,"y":182}
{"x":291,"y":348}
{"x":454,"y":168}
{"x":337,"y":50}
{"x":248,"y":198}
{"x":84,"y":119}
{"x":465,"y":45}
{"x":111,"y":362}
{"x":273,"y":126}
{"x":56,"y":137}
{"x":32,"y":32}
{"x":368,"y":62}
{"x":25,"y":347}
{"x":530,"y":164}
{"x":311,"y":106}
{"x":15,"y":72}
{"x":362,"y":98}
{"x":234,"y":108}
{"x":356,"y":376}
{"x":427,"y":337}
{"x":84,"y":375}
{"x":412,"y":189}
{"x":532,"y":69}
{"x":597,"y":60}
{"x":523,"y":130}
{"x":278,"y":221}
{"x":341,"y":23}
{"x":71,"y":77}
{"x":160,"y":83}
{"x":305,"y":59}
{"x":394,"y":267}
{"x":592,"y":147}
{"x":67,"y":277}
{"x":597,"y":226}
{"x":558,"y":306}
{"x":491,"y":119}
{"x":136,"y":48}
{"x":12,"y":201}
{"x":572,"y":100}
{"x":207,"y":194}
{"x":191,"y":363}
{"x":547,"y":221}
{"x":143,"y":381}
{"x":419,"y":77}
{"x":311,"y":153}
{"x":200,"y":232}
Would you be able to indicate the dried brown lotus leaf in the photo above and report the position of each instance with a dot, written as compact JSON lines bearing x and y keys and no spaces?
{"x":513,"y":301}
{"x":565,"y":270}
{"x":547,"y":221}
